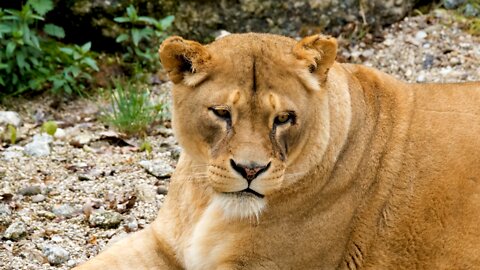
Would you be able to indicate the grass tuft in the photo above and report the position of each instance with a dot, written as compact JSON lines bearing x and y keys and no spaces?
{"x":132,"y":110}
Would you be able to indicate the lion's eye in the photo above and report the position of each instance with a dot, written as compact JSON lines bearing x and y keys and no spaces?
{"x":221,"y":112}
{"x":283,"y":118}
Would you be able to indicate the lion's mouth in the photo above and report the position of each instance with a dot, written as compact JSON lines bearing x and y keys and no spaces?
{"x":247,"y":192}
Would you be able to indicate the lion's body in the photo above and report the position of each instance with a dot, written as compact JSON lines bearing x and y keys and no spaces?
{"x":387,"y":176}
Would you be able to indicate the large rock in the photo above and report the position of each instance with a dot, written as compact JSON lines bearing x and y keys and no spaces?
{"x":200,"y":19}
{"x":10,"y":118}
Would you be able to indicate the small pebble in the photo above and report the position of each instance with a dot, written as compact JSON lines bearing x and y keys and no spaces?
{"x":30,"y":191}
{"x":38,"y":198}
{"x":162,"y":190}
{"x":64,"y":210}
{"x":55,"y":255}
{"x":15,"y":231}
{"x":105,"y":219}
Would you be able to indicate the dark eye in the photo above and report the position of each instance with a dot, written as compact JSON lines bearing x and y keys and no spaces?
{"x":221,"y":112}
{"x":283,"y":118}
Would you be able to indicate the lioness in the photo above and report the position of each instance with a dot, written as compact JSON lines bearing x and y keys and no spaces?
{"x":294,"y":161}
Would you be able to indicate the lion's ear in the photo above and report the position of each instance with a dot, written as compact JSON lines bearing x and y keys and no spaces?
{"x":318,"y":52}
{"x":185,"y":61}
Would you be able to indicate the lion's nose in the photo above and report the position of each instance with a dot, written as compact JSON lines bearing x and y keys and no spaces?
{"x":249,"y":172}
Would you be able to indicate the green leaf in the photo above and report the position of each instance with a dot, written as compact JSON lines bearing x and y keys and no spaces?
{"x":21,"y":60}
{"x":136,"y":36}
{"x":66,"y":50}
{"x":132,"y":13}
{"x":35,"y":42}
{"x":76,"y":55}
{"x":166,"y":22}
{"x":10,"y":48}
{"x":147,"y":20}
{"x":5,"y":28}
{"x":86,"y":47}
{"x":13,"y":134}
{"x":54,"y":30}
{"x":41,"y":6}
{"x":121,"y":38}
{"x":121,"y":19}
{"x":91,"y":63}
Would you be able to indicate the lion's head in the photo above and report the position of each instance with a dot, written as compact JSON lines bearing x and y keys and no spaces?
{"x":243,"y":106}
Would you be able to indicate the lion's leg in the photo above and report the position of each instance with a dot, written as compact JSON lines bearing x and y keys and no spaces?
{"x":140,"y":251}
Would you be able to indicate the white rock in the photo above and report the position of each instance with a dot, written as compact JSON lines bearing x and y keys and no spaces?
{"x":13,"y":152}
{"x":55,"y":255}
{"x":9,"y":117}
{"x":43,"y":138}
{"x":60,"y":134}
{"x":421,"y":77}
{"x":159,"y":167}
{"x":146,"y":192}
{"x":420,"y":35}
{"x":37,"y":149}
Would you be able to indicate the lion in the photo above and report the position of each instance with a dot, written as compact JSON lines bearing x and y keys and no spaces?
{"x":292,"y":160}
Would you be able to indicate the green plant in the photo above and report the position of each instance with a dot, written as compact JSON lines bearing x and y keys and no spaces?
{"x":146,"y":147}
{"x":49,"y":127}
{"x":141,"y":39}
{"x":467,"y":14}
{"x":132,"y":110}
{"x":31,"y":59}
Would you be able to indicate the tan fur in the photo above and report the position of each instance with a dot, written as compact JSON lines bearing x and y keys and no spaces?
{"x":376,"y":174}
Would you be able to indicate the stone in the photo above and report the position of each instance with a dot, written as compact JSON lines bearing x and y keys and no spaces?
{"x":162,"y":190}
{"x":427,"y":61}
{"x":55,"y":255}
{"x":85,"y":177}
{"x":5,"y":215}
{"x":10,"y":118}
{"x":132,"y":224}
{"x":157,"y":167}
{"x":64,"y":210}
{"x":451,"y":4}
{"x":38,"y":198}
{"x":145,"y":192}
{"x":60,"y":134}
{"x":82,"y":139}
{"x":15,"y":231}
{"x":30,"y":190}
{"x":40,"y":145}
{"x":420,"y":35}
{"x":105,"y":219}
{"x":13,"y":152}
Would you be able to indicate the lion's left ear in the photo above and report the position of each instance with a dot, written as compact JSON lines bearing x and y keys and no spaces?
{"x":185,"y":61}
{"x":319,"y":53}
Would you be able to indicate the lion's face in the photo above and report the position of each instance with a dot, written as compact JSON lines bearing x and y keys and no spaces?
{"x":243,"y":114}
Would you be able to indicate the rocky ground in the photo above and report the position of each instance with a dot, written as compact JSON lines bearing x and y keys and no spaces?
{"x":64,"y":198}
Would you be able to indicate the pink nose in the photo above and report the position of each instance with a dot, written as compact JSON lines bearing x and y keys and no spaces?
{"x":249,"y":172}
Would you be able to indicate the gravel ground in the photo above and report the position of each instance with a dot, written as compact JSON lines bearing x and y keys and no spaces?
{"x":93,"y":187}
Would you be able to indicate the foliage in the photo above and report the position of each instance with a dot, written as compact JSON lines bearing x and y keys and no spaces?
{"x":31,"y":59}
{"x":132,"y":110}
{"x":468,"y":15}
{"x":8,"y":134}
{"x":146,"y":147}
{"x":49,"y":127}
{"x":142,"y":39}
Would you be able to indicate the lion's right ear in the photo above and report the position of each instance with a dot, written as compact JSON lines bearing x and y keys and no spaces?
{"x":185,"y":61}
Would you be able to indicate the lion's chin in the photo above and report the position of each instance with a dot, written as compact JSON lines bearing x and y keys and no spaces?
{"x":240,"y":205}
